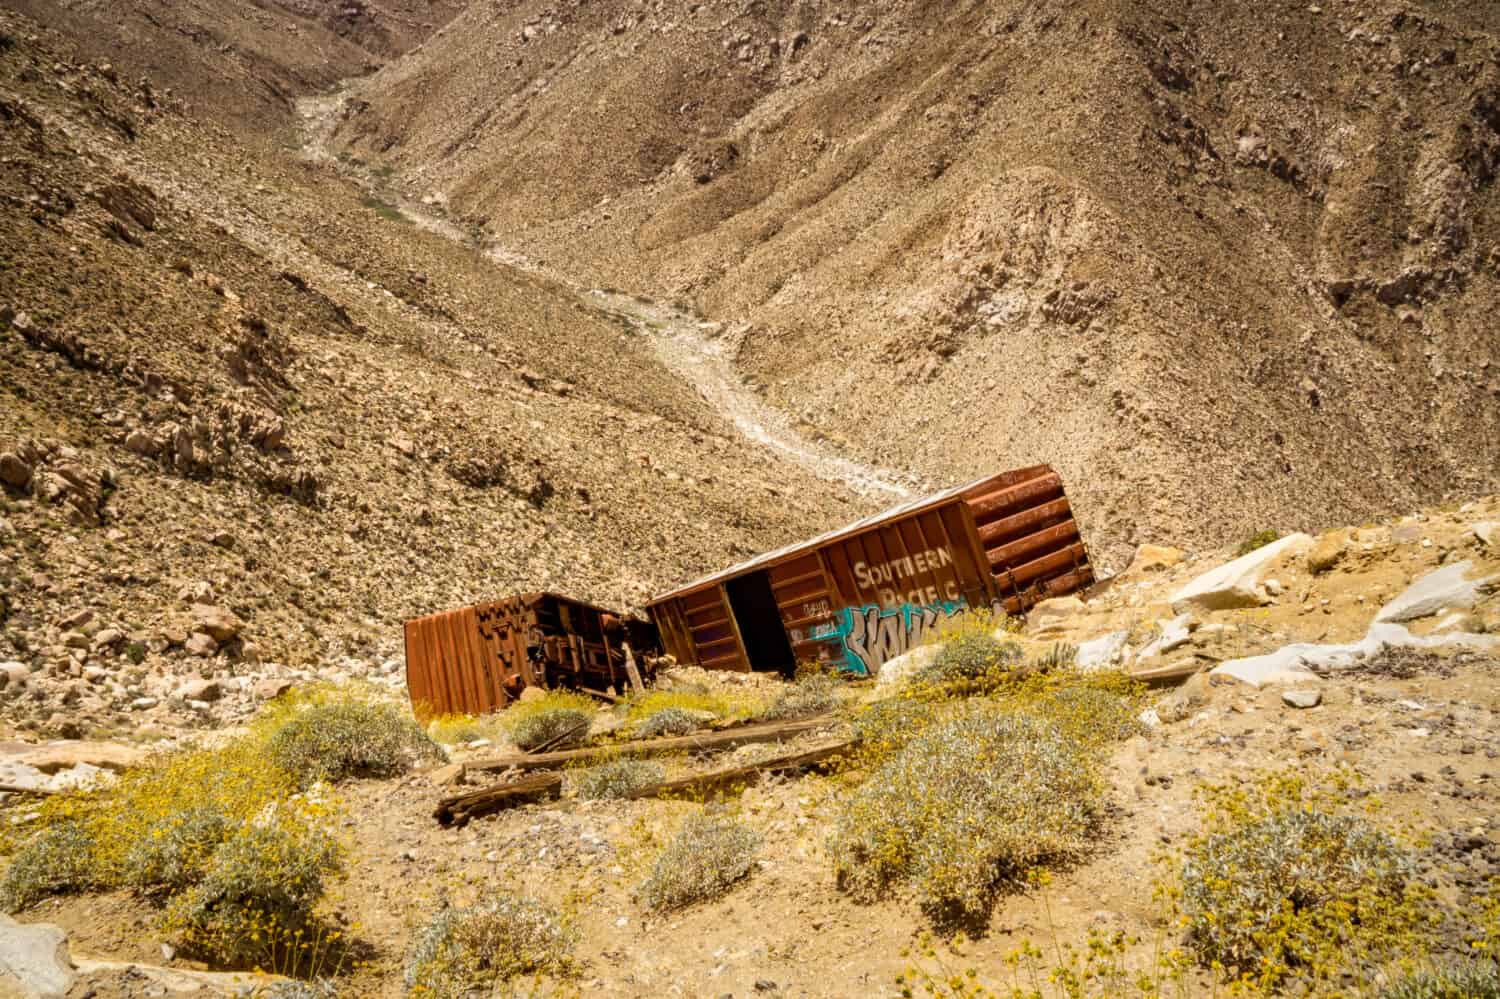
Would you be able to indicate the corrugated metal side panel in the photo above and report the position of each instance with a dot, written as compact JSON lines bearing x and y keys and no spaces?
{"x":805,"y":601}
{"x":714,"y":636}
{"x":1030,"y":539}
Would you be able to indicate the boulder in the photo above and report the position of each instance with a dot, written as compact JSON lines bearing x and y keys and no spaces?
{"x":1051,"y":616}
{"x":57,"y":756}
{"x":1302,"y":698}
{"x":200,"y":690}
{"x":898,"y":672}
{"x":269,"y":688}
{"x":1171,"y":635}
{"x":1327,"y":552}
{"x":1154,"y":558}
{"x":14,"y":675}
{"x":201,"y":644}
{"x":1488,"y":533}
{"x":1448,"y":588}
{"x":1238,"y":583}
{"x":218,"y":622}
{"x":13,"y":471}
{"x":1100,"y":653}
{"x":34,"y":960}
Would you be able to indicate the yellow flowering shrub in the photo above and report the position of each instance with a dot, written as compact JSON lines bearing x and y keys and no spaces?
{"x":559,"y":714}
{"x":709,"y":854}
{"x":469,"y":951}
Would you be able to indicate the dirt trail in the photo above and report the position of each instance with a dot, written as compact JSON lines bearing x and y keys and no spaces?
{"x":686,"y":346}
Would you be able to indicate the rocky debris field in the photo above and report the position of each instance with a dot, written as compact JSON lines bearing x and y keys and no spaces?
{"x":252,"y":421}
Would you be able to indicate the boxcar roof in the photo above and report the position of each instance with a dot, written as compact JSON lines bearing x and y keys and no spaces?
{"x":874,"y":520}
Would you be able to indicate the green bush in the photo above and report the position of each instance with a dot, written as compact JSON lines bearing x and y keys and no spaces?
{"x":260,"y":885}
{"x":973,"y":800}
{"x":814,"y":695}
{"x":1466,"y":980}
{"x":667,"y":721}
{"x":176,"y":850}
{"x":1256,"y":541}
{"x":972,"y":655}
{"x":56,"y":861}
{"x":618,"y":778}
{"x":562,"y":727}
{"x":335,"y":740}
{"x":464,"y":951}
{"x":1284,"y":890}
{"x":706,"y":857}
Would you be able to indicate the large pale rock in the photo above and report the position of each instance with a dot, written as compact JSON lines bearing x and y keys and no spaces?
{"x":1100,"y":653}
{"x":1328,"y":551}
{"x":1153,"y":558}
{"x":34,"y":960}
{"x":1238,"y":583}
{"x":219,"y":622}
{"x":1448,"y":588}
{"x":1171,"y":635}
{"x":1297,"y":664}
{"x":55,"y":756}
{"x":1052,"y":616}
{"x":898,"y":672}
{"x":201,"y":644}
{"x":1488,"y":533}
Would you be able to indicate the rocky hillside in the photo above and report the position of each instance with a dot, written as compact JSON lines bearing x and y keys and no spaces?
{"x":250,"y":419}
{"x":1227,"y":267}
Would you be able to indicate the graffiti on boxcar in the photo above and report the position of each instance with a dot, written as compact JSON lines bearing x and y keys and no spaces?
{"x":872,"y":636}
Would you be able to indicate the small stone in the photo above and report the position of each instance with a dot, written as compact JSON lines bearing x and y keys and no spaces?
{"x":13,"y":471}
{"x":1302,"y":698}
{"x":199,"y":644}
{"x":219,"y":622}
{"x":223,"y":539}
{"x":143,"y":704}
{"x":200,"y":690}
{"x":270,"y":688}
{"x":453,"y":773}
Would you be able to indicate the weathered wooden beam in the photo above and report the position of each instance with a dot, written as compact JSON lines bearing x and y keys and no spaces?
{"x":458,"y":809}
{"x":718,"y":779}
{"x":706,"y":742}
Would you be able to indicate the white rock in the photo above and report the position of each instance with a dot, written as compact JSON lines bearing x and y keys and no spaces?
{"x":1100,"y":653}
{"x":1173,"y":634}
{"x":143,"y":703}
{"x":34,"y":960}
{"x":1488,"y":533}
{"x":1238,"y":583}
{"x":1448,"y":588}
{"x":1302,"y":698}
{"x":1295,"y":663}
{"x":899,"y":671}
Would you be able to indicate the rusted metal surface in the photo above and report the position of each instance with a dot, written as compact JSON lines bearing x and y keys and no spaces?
{"x":475,"y":660}
{"x":866,"y":593}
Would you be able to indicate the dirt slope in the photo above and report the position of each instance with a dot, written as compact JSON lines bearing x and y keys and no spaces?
{"x":231,"y":378}
{"x":1226,"y":267}
{"x":244,"y":62}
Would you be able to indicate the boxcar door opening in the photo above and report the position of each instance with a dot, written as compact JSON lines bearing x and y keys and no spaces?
{"x":759,"y":621}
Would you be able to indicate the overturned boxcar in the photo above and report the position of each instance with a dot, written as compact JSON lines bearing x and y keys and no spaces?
{"x":860,"y":596}
{"x":477,"y":659}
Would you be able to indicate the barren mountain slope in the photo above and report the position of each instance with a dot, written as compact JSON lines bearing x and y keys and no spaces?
{"x":245,"y":62}
{"x":228,"y":377}
{"x":1228,"y":266}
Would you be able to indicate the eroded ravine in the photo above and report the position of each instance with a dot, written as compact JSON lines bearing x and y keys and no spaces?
{"x":691,"y":349}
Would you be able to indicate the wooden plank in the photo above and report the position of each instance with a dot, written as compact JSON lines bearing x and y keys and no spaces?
{"x":728,"y":777}
{"x":706,"y":742}
{"x":458,"y":809}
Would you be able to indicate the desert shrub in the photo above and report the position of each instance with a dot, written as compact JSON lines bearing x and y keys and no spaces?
{"x":618,"y":778}
{"x":335,"y":740}
{"x":1088,"y":713}
{"x":973,"y":800}
{"x":293,"y":988}
{"x":458,"y":729}
{"x":1466,"y":980}
{"x":1278,"y":884}
{"x":971,"y":656}
{"x":175,"y":851}
{"x":560,"y":727}
{"x":885,"y":727}
{"x":1256,"y":541}
{"x":724,"y":704}
{"x":463,"y":951}
{"x":56,"y":861}
{"x":667,"y":721}
{"x":708,"y":855}
{"x":532,"y":723}
{"x":812,"y":696}
{"x":261,"y":884}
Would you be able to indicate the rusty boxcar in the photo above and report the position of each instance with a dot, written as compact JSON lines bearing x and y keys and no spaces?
{"x":862,"y":595}
{"x":476,"y":659}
